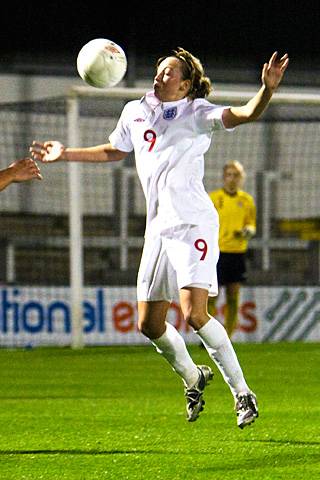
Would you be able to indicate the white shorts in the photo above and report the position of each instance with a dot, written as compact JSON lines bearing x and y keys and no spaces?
{"x":179,"y":257}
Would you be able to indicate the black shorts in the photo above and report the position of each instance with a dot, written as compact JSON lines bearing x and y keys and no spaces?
{"x":231,"y":268}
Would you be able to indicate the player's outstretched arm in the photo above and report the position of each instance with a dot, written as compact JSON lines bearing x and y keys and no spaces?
{"x":19,"y":171}
{"x":272,"y":74}
{"x":53,"y":151}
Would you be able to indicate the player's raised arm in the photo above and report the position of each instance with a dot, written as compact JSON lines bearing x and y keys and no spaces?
{"x":272,"y":73}
{"x":53,"y":151}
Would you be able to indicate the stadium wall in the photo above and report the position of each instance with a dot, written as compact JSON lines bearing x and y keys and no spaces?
{"x":32,"y":317}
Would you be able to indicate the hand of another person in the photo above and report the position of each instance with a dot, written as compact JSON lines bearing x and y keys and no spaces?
{"x":25,"y":169}
{"x":46,"y":152}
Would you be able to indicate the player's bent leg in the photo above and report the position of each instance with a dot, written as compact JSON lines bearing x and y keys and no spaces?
{"x":195,"y":378}
{"x":220,"y":349}
{"x":152,"y":317}
{"x":193,"y":302}
{"x":171,"y":345}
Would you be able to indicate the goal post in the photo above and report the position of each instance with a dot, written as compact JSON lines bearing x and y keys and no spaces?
{"x":76,"y":230}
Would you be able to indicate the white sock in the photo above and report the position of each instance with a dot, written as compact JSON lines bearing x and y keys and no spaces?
{"x":214,"y":337}
{"x":172,"y":347}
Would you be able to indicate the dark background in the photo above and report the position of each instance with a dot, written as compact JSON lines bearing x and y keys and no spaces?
{"x":228,"y":31}
{"x":226,"y":27}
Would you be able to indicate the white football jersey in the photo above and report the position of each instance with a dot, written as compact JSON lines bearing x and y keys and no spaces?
{"x":169,"y":140}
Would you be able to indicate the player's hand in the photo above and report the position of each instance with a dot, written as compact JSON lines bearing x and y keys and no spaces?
{"x":273,"y":71}
{"x":46,"y":152}
{"x":25,"y":169}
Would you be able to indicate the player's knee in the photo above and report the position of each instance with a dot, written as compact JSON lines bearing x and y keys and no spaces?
{"x":195,"y":319}
{"x":143,"y":327}
{"x":148,"y":329}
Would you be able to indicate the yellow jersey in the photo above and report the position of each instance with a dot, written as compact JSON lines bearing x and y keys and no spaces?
{"x":236,"y":211}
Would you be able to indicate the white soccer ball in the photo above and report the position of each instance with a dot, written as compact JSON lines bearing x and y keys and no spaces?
{"x":101,"y":63}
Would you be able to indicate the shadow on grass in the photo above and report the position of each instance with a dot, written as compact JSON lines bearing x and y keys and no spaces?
{"x":281,"y":442}
{"x":284,"y":460}
{"x":144,"y":452}
{"x":80,"y":452}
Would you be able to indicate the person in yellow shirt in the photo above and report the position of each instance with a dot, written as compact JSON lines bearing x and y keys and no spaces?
{"x":237,"y":216}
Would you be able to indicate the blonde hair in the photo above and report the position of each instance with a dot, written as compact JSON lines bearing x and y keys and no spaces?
{"x":192,"y":70}
{"x":237,"y":166}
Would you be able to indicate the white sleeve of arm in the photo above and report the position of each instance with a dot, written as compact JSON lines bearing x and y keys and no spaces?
{"x":120,"y":138}
{"x":209,"y":118}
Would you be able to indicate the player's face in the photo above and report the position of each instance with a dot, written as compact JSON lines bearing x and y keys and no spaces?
{"x":232,"y":180}
{"x":168,"y":83}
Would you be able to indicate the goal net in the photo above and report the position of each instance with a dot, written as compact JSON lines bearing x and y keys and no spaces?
{"x":82,"y":226}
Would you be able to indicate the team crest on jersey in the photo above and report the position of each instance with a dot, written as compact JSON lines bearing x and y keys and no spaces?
{"x":170,"y":113}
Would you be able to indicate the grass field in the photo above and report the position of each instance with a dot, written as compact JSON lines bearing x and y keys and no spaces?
{"x":118,"y":413}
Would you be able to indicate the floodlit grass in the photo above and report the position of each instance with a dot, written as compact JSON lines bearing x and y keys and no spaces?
{"x":118,"y":413}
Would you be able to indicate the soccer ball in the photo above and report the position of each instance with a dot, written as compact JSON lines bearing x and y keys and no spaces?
{"x":101,"y":63}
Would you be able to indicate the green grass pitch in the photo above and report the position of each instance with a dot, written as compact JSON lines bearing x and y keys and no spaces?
{"x":118,"y":413}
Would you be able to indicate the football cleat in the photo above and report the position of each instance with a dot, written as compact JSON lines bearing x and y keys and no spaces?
{"x":246,"y":408}
{"x":195,"y":402}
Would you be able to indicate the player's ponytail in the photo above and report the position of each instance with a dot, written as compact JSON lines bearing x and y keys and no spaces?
{"x":204,"y":88}
{"x":192,"y":70}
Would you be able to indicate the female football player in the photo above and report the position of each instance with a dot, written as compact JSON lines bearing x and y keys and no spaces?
{"x":170,"y":129}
